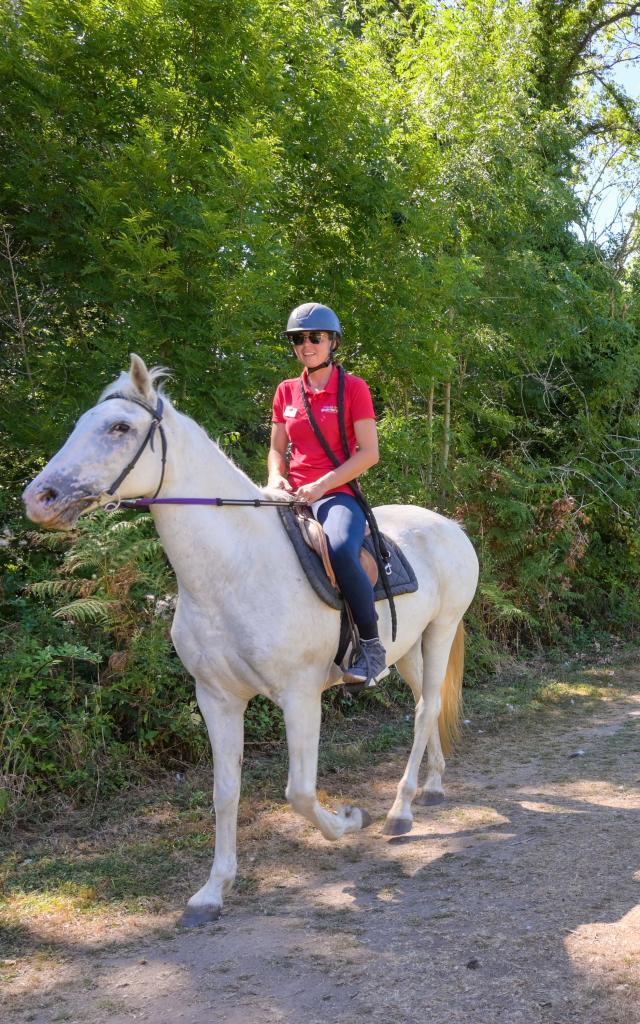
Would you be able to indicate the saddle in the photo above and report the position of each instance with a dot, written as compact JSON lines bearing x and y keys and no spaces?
{"x":310,"y":543}
{"x":315,"y":537}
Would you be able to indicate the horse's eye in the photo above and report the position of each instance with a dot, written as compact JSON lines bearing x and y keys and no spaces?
{"x":119,"y":428}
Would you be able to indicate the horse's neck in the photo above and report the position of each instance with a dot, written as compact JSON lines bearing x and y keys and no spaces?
{"x":197,"y":466}
{"x":206,"y":544}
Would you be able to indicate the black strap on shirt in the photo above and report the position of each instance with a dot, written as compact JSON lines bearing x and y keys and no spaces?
{"x":382,"y":555}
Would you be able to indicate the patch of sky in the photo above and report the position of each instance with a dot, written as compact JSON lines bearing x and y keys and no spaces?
{"x":610,"y":170}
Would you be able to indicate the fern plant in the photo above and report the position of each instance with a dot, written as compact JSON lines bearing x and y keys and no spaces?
{"x":110,"y":561}
{"x":105,"y":692}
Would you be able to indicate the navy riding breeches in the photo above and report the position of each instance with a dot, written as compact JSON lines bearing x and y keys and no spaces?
{"x":344,"y":523}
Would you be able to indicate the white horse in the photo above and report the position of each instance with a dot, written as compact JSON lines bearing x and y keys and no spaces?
{"x":247,"y":621}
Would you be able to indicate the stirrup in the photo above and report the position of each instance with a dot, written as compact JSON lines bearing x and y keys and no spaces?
{"x":353,"y":689}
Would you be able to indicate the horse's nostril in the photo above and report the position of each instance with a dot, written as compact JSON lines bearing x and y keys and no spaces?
{"x":48,"y":495}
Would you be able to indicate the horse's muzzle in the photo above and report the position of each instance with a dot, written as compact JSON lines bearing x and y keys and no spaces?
{"x":54,"y":506}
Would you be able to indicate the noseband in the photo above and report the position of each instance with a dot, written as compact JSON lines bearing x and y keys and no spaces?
{"x":156,"y":423}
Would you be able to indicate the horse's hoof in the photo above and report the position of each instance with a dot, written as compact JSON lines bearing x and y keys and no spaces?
{"x":429,"y":797}
{"x":397,"y":826}
{"x":193,"y":917}
{"x":351,"y":813}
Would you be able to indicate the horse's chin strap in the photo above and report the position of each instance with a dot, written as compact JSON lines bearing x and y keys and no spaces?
{"x":156,"y":424}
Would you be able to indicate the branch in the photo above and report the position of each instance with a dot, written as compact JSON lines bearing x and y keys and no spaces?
{"x":567,"y":70}
{"x":627,"y":11}
{"x":10,"y":256}
{"x":612,"y":155}
{"x":622,"y":102}
{"x":601,"y":127}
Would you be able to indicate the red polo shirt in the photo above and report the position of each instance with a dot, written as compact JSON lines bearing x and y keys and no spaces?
{"x":308,"y":461}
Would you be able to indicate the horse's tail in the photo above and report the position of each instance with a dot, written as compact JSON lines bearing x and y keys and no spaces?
{"x":450,"y":712}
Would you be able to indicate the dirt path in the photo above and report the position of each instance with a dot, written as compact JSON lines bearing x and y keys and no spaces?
{"x":516,"y":901}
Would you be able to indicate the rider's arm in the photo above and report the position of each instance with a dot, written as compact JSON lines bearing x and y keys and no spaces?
{"x":364,"y":458}
{"x":277,"y":458}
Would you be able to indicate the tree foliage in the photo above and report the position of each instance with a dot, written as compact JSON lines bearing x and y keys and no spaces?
{"x":177,"y":175}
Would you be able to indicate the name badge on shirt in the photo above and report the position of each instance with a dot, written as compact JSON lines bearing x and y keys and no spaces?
{"x":290,"y":411}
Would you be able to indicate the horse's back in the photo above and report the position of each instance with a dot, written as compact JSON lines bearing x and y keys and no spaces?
{"x":438,"y":548}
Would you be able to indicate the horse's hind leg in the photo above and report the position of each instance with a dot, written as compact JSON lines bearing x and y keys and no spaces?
{"x":448,"y":723}
{"x":302,"y":716}
{"x":224,"y":717}
{"x":436,"y":648}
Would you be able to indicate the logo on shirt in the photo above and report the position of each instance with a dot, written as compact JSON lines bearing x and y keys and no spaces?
{"x":329,"y":408}
{"x":290,"y":411}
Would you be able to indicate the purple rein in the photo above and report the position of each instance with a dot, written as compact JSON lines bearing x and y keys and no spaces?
{"x":145,"y":502}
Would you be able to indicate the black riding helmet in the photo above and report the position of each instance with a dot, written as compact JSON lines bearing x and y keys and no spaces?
{"x":313,"y":316}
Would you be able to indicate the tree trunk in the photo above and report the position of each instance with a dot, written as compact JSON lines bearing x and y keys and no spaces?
{"x":446,"y":434}
{"x":430,"y":422}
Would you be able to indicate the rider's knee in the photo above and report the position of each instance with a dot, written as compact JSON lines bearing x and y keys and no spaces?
{"x":343,"y":553}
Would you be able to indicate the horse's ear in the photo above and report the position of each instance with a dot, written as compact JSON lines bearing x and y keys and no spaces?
{"x":140,"y":377}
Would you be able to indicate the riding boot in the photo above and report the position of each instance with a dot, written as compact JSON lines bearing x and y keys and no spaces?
{"x":370,"y":665}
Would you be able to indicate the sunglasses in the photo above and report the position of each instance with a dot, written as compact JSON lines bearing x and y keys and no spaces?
{"x":298,"y":338}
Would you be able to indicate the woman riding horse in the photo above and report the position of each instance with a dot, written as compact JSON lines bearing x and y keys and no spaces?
{"x":301,"y":407}
{"x":248,"y":632}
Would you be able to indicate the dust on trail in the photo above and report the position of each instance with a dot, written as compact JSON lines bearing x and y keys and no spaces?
{"x":515,"y":901}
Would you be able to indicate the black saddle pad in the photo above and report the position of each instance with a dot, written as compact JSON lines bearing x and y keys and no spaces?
{"x":401,"y":577}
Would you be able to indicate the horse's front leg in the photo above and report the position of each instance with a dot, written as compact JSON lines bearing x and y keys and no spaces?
{"x":224,"y":717}
{"x":302,"y":714}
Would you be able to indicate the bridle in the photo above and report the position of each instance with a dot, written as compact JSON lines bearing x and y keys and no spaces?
{"x":156,"y":424}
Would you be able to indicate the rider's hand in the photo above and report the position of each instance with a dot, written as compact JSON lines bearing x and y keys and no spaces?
{"x":279,"y":483}
{"x":311,"y":492}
